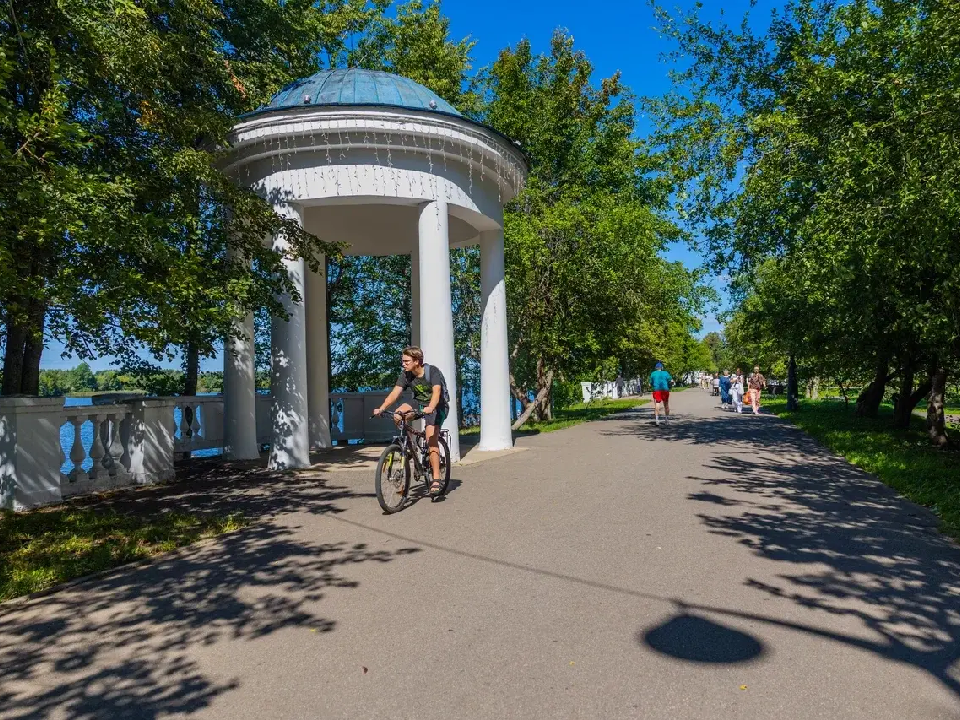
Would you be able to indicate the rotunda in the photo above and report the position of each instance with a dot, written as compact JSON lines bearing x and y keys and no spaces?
{"x":385,"y":166}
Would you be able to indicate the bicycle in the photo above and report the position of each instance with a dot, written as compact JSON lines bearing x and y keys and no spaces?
{"x":393,"y":472}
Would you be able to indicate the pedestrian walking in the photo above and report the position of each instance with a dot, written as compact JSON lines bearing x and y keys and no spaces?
{"x":755,"y":384}
{"x":661,"y":382}
{"x":716,"y":385}
{"x":725,"y":384}
{"x":736,"y":391}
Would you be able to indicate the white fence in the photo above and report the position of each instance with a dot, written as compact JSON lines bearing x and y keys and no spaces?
{"x":611,"y":389}
{"x":49,"y":452}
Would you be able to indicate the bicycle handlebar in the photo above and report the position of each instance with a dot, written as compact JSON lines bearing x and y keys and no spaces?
{"x":417,"y":414}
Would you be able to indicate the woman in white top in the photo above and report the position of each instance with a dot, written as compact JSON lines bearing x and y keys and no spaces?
{"x":736,"y":390}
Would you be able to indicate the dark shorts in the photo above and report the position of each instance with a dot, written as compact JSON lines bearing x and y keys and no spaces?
{"x":436,"y":418}
{"x":661,"y":396}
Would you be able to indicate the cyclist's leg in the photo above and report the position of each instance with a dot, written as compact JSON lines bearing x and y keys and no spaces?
{"x":398,"y":419}
{"x":432,"y":423}
{"x":433,"y":447}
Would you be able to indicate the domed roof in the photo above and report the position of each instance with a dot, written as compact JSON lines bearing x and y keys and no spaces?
{"x":354,"y":86}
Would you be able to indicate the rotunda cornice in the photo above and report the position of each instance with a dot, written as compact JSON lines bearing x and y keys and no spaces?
{"x":333,"y":132}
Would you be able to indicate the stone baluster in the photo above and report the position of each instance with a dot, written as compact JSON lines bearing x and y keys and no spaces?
{"x":64,"y":478}
{"x":186,"y":420}
{"x":125,"y":436}
{"x":195,"y":428}
{"x":106,"y":429}
{"x":96,"y":451}
{"x":77,"y":453}
{"x":114,"y":447}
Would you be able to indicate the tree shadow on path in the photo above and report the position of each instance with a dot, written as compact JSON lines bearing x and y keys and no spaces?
{"x":849,"y":546}
{"x":124,"y":645}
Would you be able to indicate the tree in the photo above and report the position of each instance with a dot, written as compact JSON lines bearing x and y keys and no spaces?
{"x":582,"y":239}
{"x":81,"y":379}
{"x":116,"y":221}
{"x":370,"y":297}
{"x":816,"y":162}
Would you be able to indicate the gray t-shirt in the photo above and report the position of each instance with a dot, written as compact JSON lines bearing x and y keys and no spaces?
{"x":423,"y":386}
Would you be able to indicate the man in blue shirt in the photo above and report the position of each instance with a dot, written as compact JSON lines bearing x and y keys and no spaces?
{"x":660,"y":383}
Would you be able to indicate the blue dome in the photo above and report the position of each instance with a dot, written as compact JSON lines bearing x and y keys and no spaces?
{"x":358,"y":87}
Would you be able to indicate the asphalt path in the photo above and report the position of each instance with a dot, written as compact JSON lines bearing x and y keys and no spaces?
{"x":719,"y":566}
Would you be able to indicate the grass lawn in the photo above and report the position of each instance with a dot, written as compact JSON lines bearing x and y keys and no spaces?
{"x":42,"y":548}
{"x":902,"y":459}
{"x":572,"y":415}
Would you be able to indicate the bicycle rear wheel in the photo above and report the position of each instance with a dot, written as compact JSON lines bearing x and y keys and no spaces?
{"x":392,"y":479}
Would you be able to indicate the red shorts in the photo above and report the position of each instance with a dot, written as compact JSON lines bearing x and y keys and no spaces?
{"x":661,"y":396}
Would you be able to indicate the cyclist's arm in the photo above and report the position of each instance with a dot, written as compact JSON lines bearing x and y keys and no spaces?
{"x":434,"y":400}
{"x":390,"y":399}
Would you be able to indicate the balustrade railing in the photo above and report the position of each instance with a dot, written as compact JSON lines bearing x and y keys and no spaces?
{"x":106,"y":462}
{"x":49,"y":452}
{"x":199,"y":422}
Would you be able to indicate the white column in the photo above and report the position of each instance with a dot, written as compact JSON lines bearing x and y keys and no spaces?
{"x":494,"y":355}
{"x":436,"y":310}
{"x":415,"y":297}
{"x":290,"y":443}
{"x":240,"y":394}
{"x":318,"y":361}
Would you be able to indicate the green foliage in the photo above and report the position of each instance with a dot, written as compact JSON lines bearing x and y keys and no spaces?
{"x":585,"y":282}
{"x":81,"y":380}
{"x":46,"y":547}
{"x":818,"y":163}
{"x":416,"y":44}
{"x":902,"y":459}
{"x":114,"y":219}
{"x":370,"y":319}
{"x":370,"y":297}
{"x":565,"y":394}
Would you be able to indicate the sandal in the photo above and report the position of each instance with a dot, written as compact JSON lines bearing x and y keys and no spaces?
{"x":435,"y":487}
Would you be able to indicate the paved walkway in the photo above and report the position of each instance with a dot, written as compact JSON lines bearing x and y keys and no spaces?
{"x":717,"y":567}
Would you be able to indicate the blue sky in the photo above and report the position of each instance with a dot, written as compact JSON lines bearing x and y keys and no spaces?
{"x":614,"y":35}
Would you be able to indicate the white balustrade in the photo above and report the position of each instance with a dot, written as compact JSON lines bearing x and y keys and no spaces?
{"x":136,"y":441}
{"x":610,"y":389}
{"x":201,"y":423}
{"x":107,"y":464}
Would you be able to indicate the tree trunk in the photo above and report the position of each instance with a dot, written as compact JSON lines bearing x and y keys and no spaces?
{"x":792,"y":390}
{"x":541,"y":415}
{"x":936,"y":423}
{"x":32,"y":350}
{"x":460,"y":417}
{"x":191,"y":367}
{"x":518,"y":394}
{"x":13,"y":358}
{"x":813,"y":388}
{"x":531,"y":406}
{"x":868,"y":402}
{"x":190,"y":377}
{"x":902,"y":409}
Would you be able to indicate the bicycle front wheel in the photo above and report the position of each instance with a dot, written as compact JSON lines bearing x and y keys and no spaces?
{"x":393,"y":479}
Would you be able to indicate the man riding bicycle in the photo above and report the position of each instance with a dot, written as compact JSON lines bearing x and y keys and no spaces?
{"x":429,"y":391}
